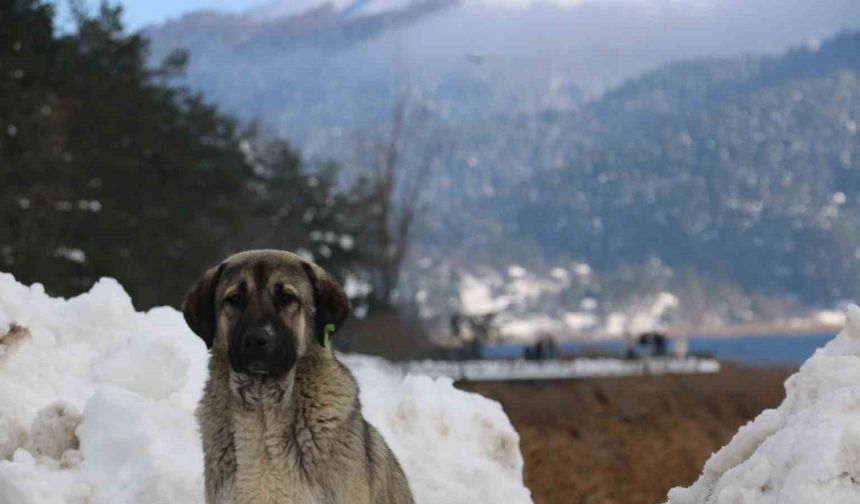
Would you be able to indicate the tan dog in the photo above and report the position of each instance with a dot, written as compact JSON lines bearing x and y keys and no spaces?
{"x":280,"y":417}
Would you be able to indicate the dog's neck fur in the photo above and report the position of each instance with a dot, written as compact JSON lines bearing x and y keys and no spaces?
{"x":283,"y":428}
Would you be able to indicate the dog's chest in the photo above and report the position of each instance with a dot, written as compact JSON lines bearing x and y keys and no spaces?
{"x":268,"y":469}
{"x":261,"y":484}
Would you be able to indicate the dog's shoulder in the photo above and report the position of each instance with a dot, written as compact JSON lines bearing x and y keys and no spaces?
{"x":387,"y":479}
{"x":326,"y":377}
{"x":359,"y":445}
{"x":216,"y":431}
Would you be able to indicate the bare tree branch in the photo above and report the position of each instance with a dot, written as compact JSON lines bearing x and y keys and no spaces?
{"x":396,"y":189}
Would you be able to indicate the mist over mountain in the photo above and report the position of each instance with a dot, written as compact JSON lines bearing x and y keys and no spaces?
{"x":715,"y":136}
{"x":315,"y":71}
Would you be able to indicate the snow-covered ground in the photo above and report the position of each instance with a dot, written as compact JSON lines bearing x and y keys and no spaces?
{"x":96,"y":405}
{"x":806,"y":451}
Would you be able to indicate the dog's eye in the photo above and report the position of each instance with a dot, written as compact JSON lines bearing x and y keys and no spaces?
{"x":236,"y":299}
{"x":284,"y":297}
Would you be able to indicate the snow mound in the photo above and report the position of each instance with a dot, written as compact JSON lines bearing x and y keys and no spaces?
{"x":805,"y":451}
{"x":97,"y":400}
{"x":470,"y":435}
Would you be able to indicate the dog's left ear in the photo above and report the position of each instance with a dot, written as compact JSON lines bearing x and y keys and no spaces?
{"x":331,"y":303}
{"x":199,"y":305}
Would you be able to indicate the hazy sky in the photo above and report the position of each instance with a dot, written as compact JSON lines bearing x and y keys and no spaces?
{"x":139,"y":13}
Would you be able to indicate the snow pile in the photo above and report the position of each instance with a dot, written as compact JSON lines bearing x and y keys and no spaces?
{"x":456,"y":447}
{"x":653,"y":313}
{"x":518,"y":291}
{"x":829,"y":317}
{"x":805,"y":451}
{"x":477,"y":296}
{"x":96,"y":405}
{"x":528,"y":305}
{"x":529,"y":327}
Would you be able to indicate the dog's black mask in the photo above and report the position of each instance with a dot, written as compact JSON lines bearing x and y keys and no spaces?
{"x":262,"y":345}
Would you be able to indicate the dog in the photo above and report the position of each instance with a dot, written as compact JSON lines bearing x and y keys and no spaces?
{"x":280,"y":417}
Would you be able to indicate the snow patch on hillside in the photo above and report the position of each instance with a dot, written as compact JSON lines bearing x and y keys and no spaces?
{"x":805,"y":451}
{"x":527,"y":305}
{"x":96,"y":405}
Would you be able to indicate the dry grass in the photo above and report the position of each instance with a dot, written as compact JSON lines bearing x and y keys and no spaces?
{"x":628,"y":440}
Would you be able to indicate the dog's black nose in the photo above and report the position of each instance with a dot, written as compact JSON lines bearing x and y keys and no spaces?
{"x":258,"y":339}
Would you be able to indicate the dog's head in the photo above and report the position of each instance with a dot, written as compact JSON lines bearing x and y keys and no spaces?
{"x":265,"y":309}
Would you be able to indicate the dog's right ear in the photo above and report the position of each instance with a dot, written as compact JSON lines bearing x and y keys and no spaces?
{"x":199,"y":305}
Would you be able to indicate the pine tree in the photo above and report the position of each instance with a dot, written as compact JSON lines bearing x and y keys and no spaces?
{"x":108,"y":168}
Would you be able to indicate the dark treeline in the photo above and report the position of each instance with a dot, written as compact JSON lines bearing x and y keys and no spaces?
{"x":107,"y":168}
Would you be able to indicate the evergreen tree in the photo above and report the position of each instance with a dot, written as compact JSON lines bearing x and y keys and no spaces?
{"x":109,"y":169}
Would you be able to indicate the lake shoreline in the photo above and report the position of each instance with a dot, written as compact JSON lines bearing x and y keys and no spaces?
{"x":735,"y":331}
{"x":765,"y":349}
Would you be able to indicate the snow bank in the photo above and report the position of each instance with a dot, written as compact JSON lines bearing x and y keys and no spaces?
{"x":456,"y":447}
{"x":96,"y":405}
{"x":805,"y":451}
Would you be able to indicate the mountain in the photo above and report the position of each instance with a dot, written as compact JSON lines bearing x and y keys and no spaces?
{"x":745,"y":169}
{"x":317,"y":72}
{"x":613,"y":133}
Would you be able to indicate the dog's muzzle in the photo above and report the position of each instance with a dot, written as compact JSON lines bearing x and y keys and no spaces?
{"x":263,"y":349}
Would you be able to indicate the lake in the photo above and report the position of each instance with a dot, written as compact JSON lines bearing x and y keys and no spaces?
{"x":771,"y":349}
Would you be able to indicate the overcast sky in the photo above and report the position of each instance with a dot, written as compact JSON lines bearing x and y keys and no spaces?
{"x":139,"y":13}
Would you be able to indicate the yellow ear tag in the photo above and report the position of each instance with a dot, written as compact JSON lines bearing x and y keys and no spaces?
{"x":328,"y":330}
